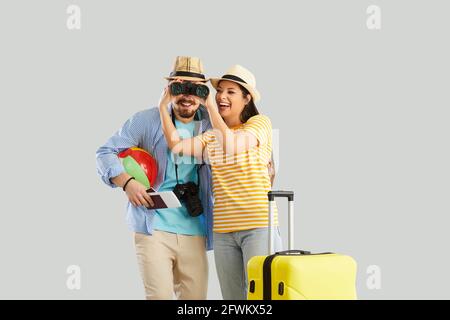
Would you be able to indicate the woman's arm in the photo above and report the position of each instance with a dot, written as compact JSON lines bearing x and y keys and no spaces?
{"x":190,"y":147}
{"x":271,"y":169}
{"x":232,"y":142}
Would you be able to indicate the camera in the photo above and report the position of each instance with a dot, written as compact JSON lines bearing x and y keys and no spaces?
{"x":189,"y":194}
{"x":199,"y":90}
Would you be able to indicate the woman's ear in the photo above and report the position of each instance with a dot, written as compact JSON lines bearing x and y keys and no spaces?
{"x":248,"y":98}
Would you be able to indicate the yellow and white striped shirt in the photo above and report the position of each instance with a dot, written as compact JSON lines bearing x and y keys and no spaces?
{"x":241,"y":181}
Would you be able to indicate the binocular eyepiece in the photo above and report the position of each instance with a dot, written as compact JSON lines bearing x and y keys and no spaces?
{"x":199,"y":90}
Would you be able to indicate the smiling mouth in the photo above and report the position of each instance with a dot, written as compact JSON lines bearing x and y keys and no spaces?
{"x":224,"y":106}
{"x":185,"y":103}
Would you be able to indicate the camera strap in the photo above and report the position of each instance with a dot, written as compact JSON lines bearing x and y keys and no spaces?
{"x":198,"y":173}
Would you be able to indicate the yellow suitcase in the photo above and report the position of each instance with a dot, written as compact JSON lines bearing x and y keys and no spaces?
{"x":297,"y":274}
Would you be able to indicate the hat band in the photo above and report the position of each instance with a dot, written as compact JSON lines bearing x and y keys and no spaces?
{"x":186,"y":74}
{"x":231,"y":77}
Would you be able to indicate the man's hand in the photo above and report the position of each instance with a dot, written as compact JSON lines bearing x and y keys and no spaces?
{"x":137,"y":194}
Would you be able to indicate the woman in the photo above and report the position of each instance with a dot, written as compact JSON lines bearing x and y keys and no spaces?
{"x":239,"y":150}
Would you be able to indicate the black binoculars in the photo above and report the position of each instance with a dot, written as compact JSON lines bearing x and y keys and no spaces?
{"x":190,"y":88}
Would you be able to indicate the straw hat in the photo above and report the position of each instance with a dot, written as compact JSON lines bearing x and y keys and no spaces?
{"x":241,"y":76}
{"x":187,"y":68}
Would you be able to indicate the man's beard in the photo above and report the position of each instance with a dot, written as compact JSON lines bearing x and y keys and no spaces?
{"x":186,"y":113}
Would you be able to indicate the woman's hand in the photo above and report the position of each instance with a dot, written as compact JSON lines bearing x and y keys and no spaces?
{"x":271,"y":170}
{"x":165,"y":98}
{"x":209,"y":102}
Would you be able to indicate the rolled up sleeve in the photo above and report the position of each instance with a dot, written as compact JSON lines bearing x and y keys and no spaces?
{"x":131,"y":134}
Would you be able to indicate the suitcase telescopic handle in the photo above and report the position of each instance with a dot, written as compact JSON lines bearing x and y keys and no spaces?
{"x":281,"y":194}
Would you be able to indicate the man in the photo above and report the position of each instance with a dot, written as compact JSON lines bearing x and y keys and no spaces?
{"x":170,"y":243}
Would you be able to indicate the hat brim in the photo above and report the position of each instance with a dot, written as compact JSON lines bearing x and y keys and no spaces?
{"x":187,"y":79}
{"x":253,"y":92}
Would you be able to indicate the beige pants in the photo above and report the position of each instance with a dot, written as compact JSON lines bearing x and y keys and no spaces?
{"x":171,"y":263}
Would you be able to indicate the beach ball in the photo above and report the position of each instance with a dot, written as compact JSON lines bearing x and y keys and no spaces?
{"x":140,"y":164}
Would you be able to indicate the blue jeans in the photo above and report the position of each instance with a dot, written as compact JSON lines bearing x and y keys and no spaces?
{"x":232,"y":251}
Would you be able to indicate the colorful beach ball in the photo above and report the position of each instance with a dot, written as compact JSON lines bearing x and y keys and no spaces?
{"x":140,"y":164}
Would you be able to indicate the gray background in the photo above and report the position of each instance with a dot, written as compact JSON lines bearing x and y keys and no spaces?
{"x":362,"y":115}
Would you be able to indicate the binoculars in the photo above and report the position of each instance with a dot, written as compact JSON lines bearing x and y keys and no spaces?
{"x":190,"y":88}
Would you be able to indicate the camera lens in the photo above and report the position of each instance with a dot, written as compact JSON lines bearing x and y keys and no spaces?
{"x":188,"y":193}
{"x":195,"y":208}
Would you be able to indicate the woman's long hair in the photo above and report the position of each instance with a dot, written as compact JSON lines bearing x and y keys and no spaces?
{"x":250,"y":109}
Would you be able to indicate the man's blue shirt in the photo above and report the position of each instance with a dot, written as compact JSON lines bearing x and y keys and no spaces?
{"x":144,"y":130}
{"x":178,"y":220}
